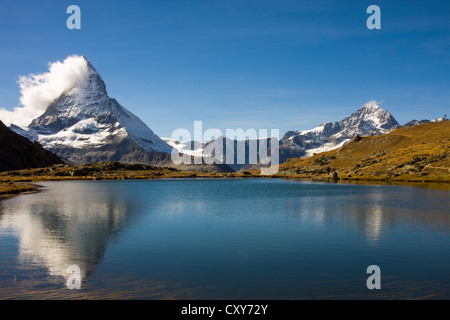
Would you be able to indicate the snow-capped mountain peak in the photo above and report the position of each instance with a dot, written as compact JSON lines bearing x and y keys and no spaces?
{"x":85,"y":99}
{"x":371,"y":119}
{"x":84,"y":124}
{"x":372,"y":113}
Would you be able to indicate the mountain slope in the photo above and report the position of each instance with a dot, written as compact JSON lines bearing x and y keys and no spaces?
{"x":369,"y":120}
{"x":85,"y":125}
{"x":17,"y":152}
{"x":420,"y":152}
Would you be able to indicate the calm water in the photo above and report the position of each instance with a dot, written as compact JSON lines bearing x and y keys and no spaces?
{"x":225,"y":239}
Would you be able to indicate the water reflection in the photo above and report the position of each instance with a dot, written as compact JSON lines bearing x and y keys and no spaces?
{"x":255,"y":239}
{"x":69,"y":226}
{"x":373,"y":213}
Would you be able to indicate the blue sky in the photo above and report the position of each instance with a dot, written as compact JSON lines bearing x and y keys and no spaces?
{"x":287,"y":65}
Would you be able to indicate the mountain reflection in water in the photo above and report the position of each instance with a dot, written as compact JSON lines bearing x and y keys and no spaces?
{"x":224,"y":238}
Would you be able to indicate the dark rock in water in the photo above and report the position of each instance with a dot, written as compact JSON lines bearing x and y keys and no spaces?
{"x":17,"y":152}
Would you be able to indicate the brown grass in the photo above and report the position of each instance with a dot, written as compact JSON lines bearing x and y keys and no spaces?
{"x":418,"y":153}
{"x":7,"y":188}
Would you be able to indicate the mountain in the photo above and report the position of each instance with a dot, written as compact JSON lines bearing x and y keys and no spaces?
{"x":419,"y":152}
{"x":416,"y":122}
{"x":85,"y":125}
{"x":368,"y":121}
{"x":17,"y":152}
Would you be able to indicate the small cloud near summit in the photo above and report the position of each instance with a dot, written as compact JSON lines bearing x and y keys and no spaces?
{"x":372,"y":105}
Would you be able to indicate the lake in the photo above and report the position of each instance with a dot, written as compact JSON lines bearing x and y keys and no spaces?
{"x":224,"y":239}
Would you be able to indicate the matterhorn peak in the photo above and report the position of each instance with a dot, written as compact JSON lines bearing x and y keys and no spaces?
{"x":81,"y":123}
{"x":94,"y":86}
{"x":78,"y":77}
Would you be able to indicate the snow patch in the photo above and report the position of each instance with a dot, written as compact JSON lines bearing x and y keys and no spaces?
{"x":86,"y":133}
{"x":326,"y":147}
{"x":184,"y":147}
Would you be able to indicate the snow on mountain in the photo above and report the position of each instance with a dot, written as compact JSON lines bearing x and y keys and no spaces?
{"x":24,"y":131}
{"x":416,"y":122}
{"x":84,"y":124}
{"x":439,"y":119}
{"x":191,"y":148}
{"x":81,"y":123}
{"x":369,"y":120}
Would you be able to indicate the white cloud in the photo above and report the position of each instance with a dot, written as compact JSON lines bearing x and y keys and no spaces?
{"x":39,"y":90}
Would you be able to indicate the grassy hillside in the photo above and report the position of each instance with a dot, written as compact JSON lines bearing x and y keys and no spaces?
{"x":418,"y":153}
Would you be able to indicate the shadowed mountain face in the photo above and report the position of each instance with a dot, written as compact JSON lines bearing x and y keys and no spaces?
{"x":17,"y":152}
